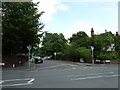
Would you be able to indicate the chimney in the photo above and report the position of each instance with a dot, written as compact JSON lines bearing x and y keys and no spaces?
{"x":92,"y":32}
{"x":117,"y":34}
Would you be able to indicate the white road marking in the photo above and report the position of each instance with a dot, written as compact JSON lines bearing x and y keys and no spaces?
{"x":94,"y":77}
{"x":90,"y":74}
{"x":86,"y":78}
{"x":1,"y":82}
{"x":73,"y":65}
{"x":53,"y":66}
{"x":30,"y":80}
{"x":18,"y":79}
{"x":73,"y":68}
{"x":17,"y":84}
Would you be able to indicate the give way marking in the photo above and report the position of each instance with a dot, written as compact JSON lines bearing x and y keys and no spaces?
{"x":16,"y":82}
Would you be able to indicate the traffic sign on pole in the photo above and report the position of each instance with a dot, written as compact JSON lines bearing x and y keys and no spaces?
{"x":29,"y":48}
{"x":92,"y":48}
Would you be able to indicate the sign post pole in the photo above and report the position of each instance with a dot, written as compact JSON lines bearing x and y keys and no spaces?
{"x":92,"y":48}
{"x":29,"y":48}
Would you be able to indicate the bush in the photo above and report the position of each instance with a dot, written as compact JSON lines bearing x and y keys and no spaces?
{"x":59,"y":54}
{"x":83,"y":53}
{"x":109,"y":56}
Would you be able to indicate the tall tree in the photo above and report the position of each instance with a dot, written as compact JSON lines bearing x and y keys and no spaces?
{"x":117,"y":45}
{"x":53,"y":43}
{"x":20,"y":26}
{"x":102,"y":42}
{"x":80,"y":39}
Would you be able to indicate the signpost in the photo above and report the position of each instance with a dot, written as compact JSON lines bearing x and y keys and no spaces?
{"x":92,"y":48}
{"x":29,"y":48}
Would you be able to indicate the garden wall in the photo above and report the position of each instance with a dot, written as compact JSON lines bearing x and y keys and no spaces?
{"x":17,"y":61}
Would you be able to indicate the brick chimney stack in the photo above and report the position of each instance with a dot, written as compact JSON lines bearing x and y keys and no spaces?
{"x":92,"y":32}
{"x":117,"y":34}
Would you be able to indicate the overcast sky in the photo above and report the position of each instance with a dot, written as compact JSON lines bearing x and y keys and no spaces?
{"x":71,"y":16}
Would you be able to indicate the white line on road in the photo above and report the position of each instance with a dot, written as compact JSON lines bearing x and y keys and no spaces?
{"x":30,"y":80}
{"x":17,"y":79}
{"x":73,"y":68}
{"x":73,"y":65}
{"x":94,"y":77}
{"x":1,"y":82}
{"x":90,"y":74}
{"x":17,"y":84}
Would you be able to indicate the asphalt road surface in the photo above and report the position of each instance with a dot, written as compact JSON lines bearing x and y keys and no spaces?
{"x":61,"y":74}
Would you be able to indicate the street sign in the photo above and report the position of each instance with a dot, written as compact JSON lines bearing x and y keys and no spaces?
{"x":92,"y":47}
{"x":29,"y":47}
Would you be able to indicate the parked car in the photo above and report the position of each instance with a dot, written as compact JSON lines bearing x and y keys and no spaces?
{"x":37,"y":59}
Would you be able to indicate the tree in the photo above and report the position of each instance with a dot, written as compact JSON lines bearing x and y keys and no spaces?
{"x":107,"y":39}
{"x":83,"y":53}
{"x":117,"y":45}
{"x":53,"y":43}
{"x":80,"y":39}
{"x":21,"y":24}
{"x":101,"y":42}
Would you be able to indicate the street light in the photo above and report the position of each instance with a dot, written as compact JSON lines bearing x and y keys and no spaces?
{"x":92,"y":48}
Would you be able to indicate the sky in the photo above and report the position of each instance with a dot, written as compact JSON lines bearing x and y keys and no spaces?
{"x":71,"y":16}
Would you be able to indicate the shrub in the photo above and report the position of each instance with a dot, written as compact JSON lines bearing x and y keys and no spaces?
{"x":59,"y":54}
{"x":108,"y":56}
{"x":83,"y":53}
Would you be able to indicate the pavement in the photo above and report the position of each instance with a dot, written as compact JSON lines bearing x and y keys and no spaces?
{"x":32,"y":66}
{"x":22,"y":67}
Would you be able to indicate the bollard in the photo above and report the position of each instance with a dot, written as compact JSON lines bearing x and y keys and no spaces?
{"x":13,"y":65}
{"x":19,"y":62}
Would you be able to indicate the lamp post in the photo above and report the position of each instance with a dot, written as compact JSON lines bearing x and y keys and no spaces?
{"x":29,"y":48}
{"x":92,"y":48}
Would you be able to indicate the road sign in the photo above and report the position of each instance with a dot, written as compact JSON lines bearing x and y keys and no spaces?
{"x":29,"y":47}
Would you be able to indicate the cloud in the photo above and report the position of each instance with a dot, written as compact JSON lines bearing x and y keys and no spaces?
{"x":62,"y":7}
{"x":50,"y":7}
{"x":89,"y":0}
{"x":86,"y":27}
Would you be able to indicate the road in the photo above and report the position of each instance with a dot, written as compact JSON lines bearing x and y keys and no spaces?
{"x":61,"y":74}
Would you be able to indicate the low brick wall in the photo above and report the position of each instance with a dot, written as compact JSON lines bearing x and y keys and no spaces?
{"x":87,"y":61}
{"x":111,"y":62}
{"x":16,"y":61}
{"x":115,"y":62}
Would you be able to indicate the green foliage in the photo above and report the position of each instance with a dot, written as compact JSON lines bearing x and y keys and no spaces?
{"x":80,"y":39}
{"x":76,"y":53}
{"x":83,"y":53}
{"x":117,"y":45}
{"x":102,"y":42}
{"x":59,"y":54}
{"x":107,"y":56}
{"x":53,"y":43}
{"x":20,"y":26}
{"x":107,"y":39}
